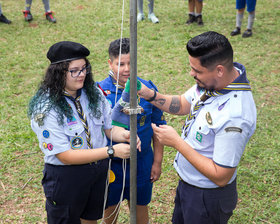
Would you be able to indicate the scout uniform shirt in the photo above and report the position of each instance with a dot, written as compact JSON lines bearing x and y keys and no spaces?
{"x":54,"y":138}
{"x":150,"y":115}
{"x":219,"y":132}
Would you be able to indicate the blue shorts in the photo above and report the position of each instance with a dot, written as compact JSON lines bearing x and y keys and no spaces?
{"x":251,"y":4}
{"x":74,"y":192}
{"x":144,"y":185}
{"x":204,"y":206}
{"x":144,"y":194}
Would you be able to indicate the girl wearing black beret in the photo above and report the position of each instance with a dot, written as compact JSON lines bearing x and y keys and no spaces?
{"x":72,"y":118}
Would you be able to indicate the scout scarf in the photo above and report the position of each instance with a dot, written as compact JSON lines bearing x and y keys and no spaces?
{"x":81,"y":114}
{"x":241,"y":83}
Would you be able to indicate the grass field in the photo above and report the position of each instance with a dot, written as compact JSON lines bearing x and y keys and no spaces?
{"x":162,"y":58}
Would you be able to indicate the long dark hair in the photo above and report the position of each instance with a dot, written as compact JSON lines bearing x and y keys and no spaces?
{"x":50,"y":94}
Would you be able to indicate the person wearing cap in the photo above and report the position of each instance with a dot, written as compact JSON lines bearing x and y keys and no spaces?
{"x":72,"y":118}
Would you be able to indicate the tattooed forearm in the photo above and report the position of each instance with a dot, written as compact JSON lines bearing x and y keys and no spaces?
{"x":174,"y":105}
{"x":160,"y":101}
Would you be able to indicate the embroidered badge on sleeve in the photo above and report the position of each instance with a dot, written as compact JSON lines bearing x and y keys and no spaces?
{"x":233,"y":129}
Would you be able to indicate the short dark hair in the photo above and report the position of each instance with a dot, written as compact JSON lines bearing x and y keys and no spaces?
{"x":212,"y":49}
{"x":114,"y":48}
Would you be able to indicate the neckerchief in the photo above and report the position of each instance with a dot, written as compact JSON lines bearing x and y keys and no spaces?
{"x":241,"y":83}
{"x":81,"y":114}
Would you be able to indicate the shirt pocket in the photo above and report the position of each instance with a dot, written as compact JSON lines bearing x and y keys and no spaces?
{"x":97,"y":127}
{"x":145,"y":116}
{"x":76,"y":137}
{"x":204,"y":136}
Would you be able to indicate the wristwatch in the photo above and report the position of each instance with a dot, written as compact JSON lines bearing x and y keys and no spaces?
{"x":110,"y":151}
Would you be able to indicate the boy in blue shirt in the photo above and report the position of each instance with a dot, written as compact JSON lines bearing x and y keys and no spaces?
{"x":148,"y":161}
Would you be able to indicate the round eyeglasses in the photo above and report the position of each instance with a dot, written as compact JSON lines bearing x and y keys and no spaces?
{"x":76,"y":72}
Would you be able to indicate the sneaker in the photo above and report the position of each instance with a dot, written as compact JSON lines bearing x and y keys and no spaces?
{"x":153,"y":18}
{"x":27,"y":16}
{"x":49,"y":17}
{"x":247,"y":33}
{"x":235,"y":32}
{"x":191,"y":19}
{"x":140,"y":17}
{"x":199,"y":20}
{"x":3,"y":19}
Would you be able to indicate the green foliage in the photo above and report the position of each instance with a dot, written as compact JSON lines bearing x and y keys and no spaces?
{"x":162,"y":57}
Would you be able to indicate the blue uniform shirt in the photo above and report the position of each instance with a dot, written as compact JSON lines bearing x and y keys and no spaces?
{"x":222,"y":136}
{"x":54,"y":139}
{"x":150,"y":115}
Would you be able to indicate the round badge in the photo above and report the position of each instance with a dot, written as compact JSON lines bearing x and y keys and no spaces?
{"x":112,"y":176}
{"x":45,"y":145}
{"x":77,"y":142}
{"x":50,"y":147}
{"x":46,"y":134}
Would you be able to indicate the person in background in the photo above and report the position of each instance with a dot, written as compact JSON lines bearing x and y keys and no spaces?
{"x":151,"y":15}
{"x":221,"y":118}
{"x":240,"y":6}
{"x":150,"y":158}
{"x":195,"y":12}
{"x":3,"y":19}
{"x":48,"y":13}
{"x":71,"y":118}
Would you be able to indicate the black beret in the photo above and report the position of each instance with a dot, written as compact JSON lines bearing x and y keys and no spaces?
{"x":66,"y":51}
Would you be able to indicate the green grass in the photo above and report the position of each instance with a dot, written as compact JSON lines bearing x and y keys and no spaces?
{"x":162,"y":58}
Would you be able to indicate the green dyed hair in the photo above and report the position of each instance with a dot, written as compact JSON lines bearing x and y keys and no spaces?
{"x":50,"y":95}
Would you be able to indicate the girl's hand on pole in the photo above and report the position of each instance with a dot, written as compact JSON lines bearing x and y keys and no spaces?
{"x":126,"y":135}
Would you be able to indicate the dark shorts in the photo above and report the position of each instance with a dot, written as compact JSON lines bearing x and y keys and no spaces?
{"x":204,"y":206}
{"x":144,"y":185}
{"x":144,"y":194}
{"x":74,"y":192}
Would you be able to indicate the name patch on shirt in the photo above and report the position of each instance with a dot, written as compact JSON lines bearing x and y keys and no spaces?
{"x":233,"y":129}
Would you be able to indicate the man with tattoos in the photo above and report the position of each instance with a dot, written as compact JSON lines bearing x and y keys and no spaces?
{"x":221,"y":118}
